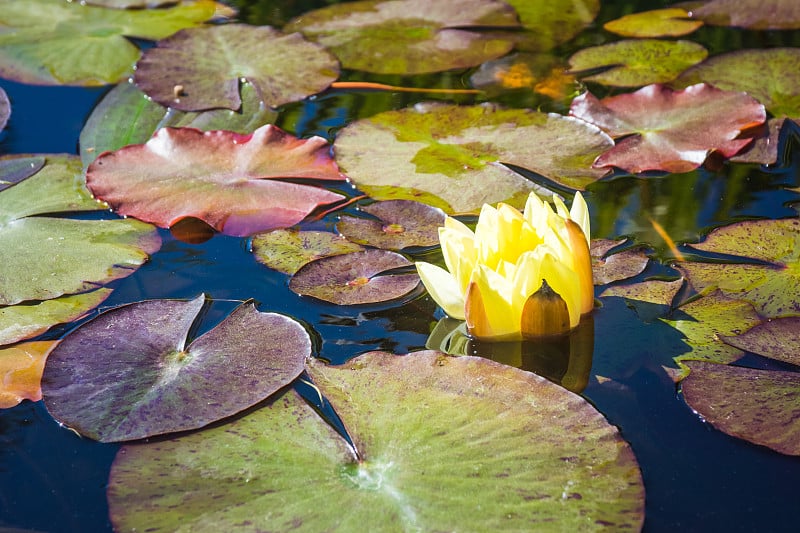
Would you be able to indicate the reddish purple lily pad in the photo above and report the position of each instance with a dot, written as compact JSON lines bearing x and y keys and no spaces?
{"x":751,"y":14}
{"x":226,"y":179}
{"x":669,"y":130}
{"x":130,"y":374}
{"x":400,"y":224}
{"x":288,"y":250}
{"x":618,"y":266}
{"x":777,"y":339}
{"x":357,"y":278}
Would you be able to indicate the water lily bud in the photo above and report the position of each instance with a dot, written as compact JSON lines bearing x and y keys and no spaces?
{"x":545,"y":313}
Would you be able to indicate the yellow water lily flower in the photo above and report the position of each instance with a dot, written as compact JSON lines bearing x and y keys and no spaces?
{"x":518,"y":275}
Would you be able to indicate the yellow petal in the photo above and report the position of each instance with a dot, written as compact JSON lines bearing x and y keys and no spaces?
{"x":486,"y":230}
{"x":443,"y":288}
{"x":545,"y":313}
{"x":580,"y":214}
{"x":459,"y":254}
{"x":488,"y":309}
{"x":455,"y":224}
{"x":582,"y":265}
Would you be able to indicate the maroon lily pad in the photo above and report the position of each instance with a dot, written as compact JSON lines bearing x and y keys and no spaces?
{"x":400,"y":224}
{"x":776,"y":339}
{"x":201,"y":68}
{"x":226,"y":179}
{"x":764,"y":149}
{"x":670,"y":130}
{"x":759,"y":406}
{"x":617,"y":266}
{"x":130,"y":374}
{"x":14,"y":170}
{"x":5,"y":108}
{"x":751,"y":14}
{"x":288,"y":250}
{"x":356,"y":278}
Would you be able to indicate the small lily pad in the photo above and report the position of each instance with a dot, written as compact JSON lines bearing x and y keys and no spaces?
{"x":287,"y":250}
{"x":355,"y":278}
{"x":776,"y":339}
{"x":130,"y":374}
{"x":5,"y":108}
{"x":15,"y":169}
{"x":398,"y":224}
{"x":751,"y":14}
{"x":650,"y":299}
{"x":21,"y":368}
{"x":668,"y":22}
{"x":617,"y":266}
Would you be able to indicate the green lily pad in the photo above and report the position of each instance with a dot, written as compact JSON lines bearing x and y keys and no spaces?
{"x":767,"y":273}
{"x":633,"y":63}
{"x":776,"y":339}
{"x":617,"y":266}
{"x":201,"y":68}
{"x":15,"y":169}
{"x":457,"y":153}
{"x":769,"y":75}
{"x":52,"y":42}
{"x":445,"y":444}
{"x":130,"y":374}
{"x":751,"y":14}
{"x":127,"y":116}
{"x":409,"y":36}
{"x":759,"y":406}
{"x":398,"y":224}
{"x":668,"y":22}
{"x":131,"y":4}
{"x":287,"y":250}
{"x":356,"y":278}
{"x":552,"y":22}
{"x":5,"y":108}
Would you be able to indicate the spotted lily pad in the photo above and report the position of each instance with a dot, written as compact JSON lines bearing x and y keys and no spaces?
{"x":651,"y":299}
{"x":397,"y":224}
{"x":445,"y":444}
{"x":668,"y":22}
{"x":759,"y":406}
{"x":669,"y":130}
{"x":21,"y":368}
{"x":616,"y":266}
{"x":637,"y":62}
{"x":52,"y":42}
{"x":288,"y":250}
{"x":776,"y":339}
{"x":751,"y":14}
{"x":130,"y":373}
{"x":456,"y":154}
{"x":409,"y":36}
{"x":201,"y":68}
{"x":356,"y":278}
{"x":228,"y":180}
{"x":766,"y":274}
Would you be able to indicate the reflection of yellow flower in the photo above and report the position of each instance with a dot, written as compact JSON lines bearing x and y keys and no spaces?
{"x":518,"y":275}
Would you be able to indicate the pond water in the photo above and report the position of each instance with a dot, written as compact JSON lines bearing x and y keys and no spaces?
{"x":696,"y":478}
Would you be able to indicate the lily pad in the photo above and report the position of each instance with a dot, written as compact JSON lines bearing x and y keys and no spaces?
{"x":457,"y":153}
{"x":228,"y":180}
{"x":288,"y":250}
{"x":52,"y":42}
{"x":15,"y":169}
{"x":445,"y":444}
{"x":126,"y":116}
{"x":633,"y":63}
{"x":201,"y":68}
{"x":669,"y":130}
{"x":5,"y":108}
{"x":543,"y":74}
{"x":397,"y":224}
{"x":668,"y":22}
{"x":764,"y":149}
{"x":776,"y":339}
{"x":652,"y":291}
{"x":131,"y":4}
{"x":767,"y":273}
{"x":356,"y":278}
{"x":552,"y":22}
{"x":130,"y":374}
{"x":409,"y":36}
{"x":751,"y":14}
{"x":617,"y":266}
{"x":769,"y":75}
{"x":21,"y":368}
{"x":759,"y":406}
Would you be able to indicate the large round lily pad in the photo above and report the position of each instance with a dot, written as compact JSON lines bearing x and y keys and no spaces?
{"x":130,"y":374}
{"x":397,"y":224}
{"x":453,"y":156}
{"x":445,"y":444}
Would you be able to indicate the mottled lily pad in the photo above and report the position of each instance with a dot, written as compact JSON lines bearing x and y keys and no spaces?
{"x":668,"y":22}
{"x":651,"y":299}
{"x":5,"y":108}
{"x":52,"y":42}
{"x":202,"y":68}
{"x":126,"y":116}
{"x":668,"y":130}
{"x":457,"y":154}
{"x":751,"y":14}
{"x":397,"y":224}
{"x":356,"y":278}
{"x":21,"y":368}
{"x":288,"y":250}
{"x":633,"y":63}
{"x":228,"y":180}
{"x":409,"y":36}
{"x":759,"y":406}
{"x":776,"y":339}
{"x":445,"y":444}
{"x":552,"y":22}
{"x":766,"y":273}
{"x":15,"y":169}
{"x":617,"y":266}
{"x":130,"y":373}
{"x":543,"y":74}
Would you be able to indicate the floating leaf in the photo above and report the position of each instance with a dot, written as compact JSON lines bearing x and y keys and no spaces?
{"x":21,"y":368}
{"x":408,"y":36}
{"x":52,"y":42}
{"x":5,"y":108}
{"x":769,"y":75}
{"x":670,"y":130}
{"x":130,"y":374}
{"x":652,"y":291}
{"x":776,"y":339}
{"x":126,"y":116}
{"x":617,"y":266}
{"x":130,"y":4}
{"x":288,"y":250}
{"x":456,"y":153}
{"x":769,"y":281}
{"x":201,"y":68}
{"x":15,"y":169}
{"x":446,"y":444}
{"x":226,"y":179}
{"x":764,"y":149}
{"x":669,"y":22}
{"x":759,"y":406}
{"x":356,"y":278}
{"x":633,"y":63}
{"x":751,"y":14}
{"x":399,"y":224}
{"x":552,"y":22}
{"x":541,"y":73}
